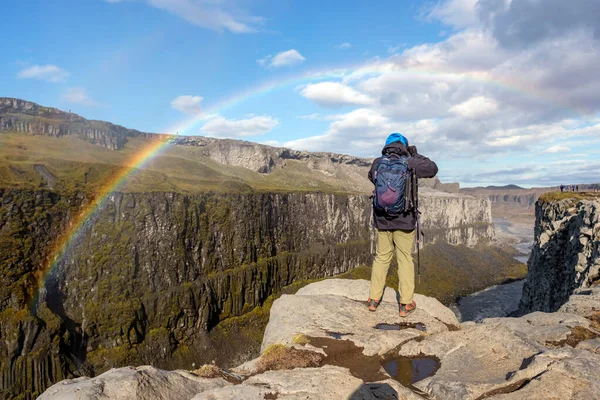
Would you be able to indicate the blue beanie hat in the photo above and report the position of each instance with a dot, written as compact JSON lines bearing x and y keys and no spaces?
{"x":396,"y":137}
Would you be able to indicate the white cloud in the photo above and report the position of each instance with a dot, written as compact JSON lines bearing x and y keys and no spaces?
{"x":210,"y":14}
{"x":509,"y":79}
{"x":557,"y":149}
{"x":457,"y":13}
{"x":187,"y":104}
{"x":334,"y":94}
{"x":221,"y":127}
{"x":78,"y":95}
{"x":286,"y":58}
{"x":49,"y":72}
{"x":345,"y":45}
{"x":476,"y":107}
{"x":363,"y":132}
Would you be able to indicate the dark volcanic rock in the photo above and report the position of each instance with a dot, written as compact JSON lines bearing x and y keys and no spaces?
{"x":150,"y":274}
{"x":566,"y":253}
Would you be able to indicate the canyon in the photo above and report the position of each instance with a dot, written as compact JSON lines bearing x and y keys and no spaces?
{"x":203,"y":234}
{"x":323,"y":343}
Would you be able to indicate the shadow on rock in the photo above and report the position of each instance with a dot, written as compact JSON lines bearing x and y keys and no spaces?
{"x":369,"y":391}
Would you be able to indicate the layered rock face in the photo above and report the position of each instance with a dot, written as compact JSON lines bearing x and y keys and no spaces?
{"x":327,"y":345}
{"x":566,"y":254}
{"x":454,"y":218}
{"x":30,"y":118}
{"x":27,"y":117}
{"x":150,"y":274}
{"x":512,"y":196}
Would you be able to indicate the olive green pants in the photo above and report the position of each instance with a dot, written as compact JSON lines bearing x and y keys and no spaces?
{"x":387,"y":242}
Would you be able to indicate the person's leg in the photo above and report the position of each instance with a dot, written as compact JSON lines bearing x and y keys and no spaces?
{"x":404,"y":242}
{"x":381,"y":264}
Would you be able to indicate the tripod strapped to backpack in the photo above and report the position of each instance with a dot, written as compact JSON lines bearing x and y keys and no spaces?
{"x":412,"y":205}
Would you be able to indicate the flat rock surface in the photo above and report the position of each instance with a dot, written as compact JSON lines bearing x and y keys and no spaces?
{"x":592,"y":345}
{"x":337,"y":308}
{"x":126,"y":383}
{"x":474,"y":361}
{"x":547,"y":329}
{"x":477,"y":360}
{"x":325,"y":383}
{"x":559,"y":374}
{"x":583,"y":302}
{"x":359,"y":290}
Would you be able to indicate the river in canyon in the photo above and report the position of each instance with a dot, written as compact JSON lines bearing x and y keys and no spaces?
{"x":499,"y":300}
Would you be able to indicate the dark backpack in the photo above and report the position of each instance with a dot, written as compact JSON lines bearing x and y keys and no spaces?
{"x":392,"y":177}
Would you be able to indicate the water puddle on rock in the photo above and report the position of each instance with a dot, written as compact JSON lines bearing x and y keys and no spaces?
{"x":407,"y":371}
{"x":402,"y":325}
{"x":337,"y":335}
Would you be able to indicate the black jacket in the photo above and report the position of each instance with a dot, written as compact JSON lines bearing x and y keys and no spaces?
{"x":422,"y":167}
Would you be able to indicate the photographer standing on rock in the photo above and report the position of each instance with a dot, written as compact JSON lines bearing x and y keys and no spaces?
{"x":394,"y":219}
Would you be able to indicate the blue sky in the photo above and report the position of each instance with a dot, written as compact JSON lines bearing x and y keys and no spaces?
{"x":493,"y":98}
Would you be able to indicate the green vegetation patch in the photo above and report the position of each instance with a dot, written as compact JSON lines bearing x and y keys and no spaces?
{"x":450,"y":272}
{"x":278,"y":357}
{"x":551,"y":197}
{"x":79,"y":165}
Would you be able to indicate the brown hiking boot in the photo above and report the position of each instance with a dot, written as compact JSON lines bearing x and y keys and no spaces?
{"x":406,"y":309}
{"x":373,"y":304}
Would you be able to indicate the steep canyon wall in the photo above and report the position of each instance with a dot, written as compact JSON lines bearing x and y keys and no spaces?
{"x":151,"y":273}
{"x":566,"y":253}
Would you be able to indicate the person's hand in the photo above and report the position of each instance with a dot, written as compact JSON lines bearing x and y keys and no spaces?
{"x":412,"y":150}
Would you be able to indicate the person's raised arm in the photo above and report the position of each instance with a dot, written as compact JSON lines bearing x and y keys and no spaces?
{"x":423,"y":166}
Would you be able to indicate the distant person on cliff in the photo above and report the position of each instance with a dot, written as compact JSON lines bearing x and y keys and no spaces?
{"x":395,"y":225}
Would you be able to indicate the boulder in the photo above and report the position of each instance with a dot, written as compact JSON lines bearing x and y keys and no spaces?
{"x":126,"y":383}
{"x":325,"y":383}
{"x":559,"y":374}
{"x":547,"y":329}
{"x":359,"y":290}
{"x":336,"y":308}
{"x":478,"y":360}
{"x":474,"y":361}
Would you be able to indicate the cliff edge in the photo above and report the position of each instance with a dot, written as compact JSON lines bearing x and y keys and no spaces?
{"x":566,"y":252}
{"x":323,"y":343}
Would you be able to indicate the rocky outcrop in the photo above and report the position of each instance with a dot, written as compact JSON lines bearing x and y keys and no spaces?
{"x":468,"y":219}
{"x":566,"y":253}
{"x":322,"y":310}
{"x":510,"y":196}
{"x":378,"y":355}
{"x":134,"y":383}
{"x":30,"y":118}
